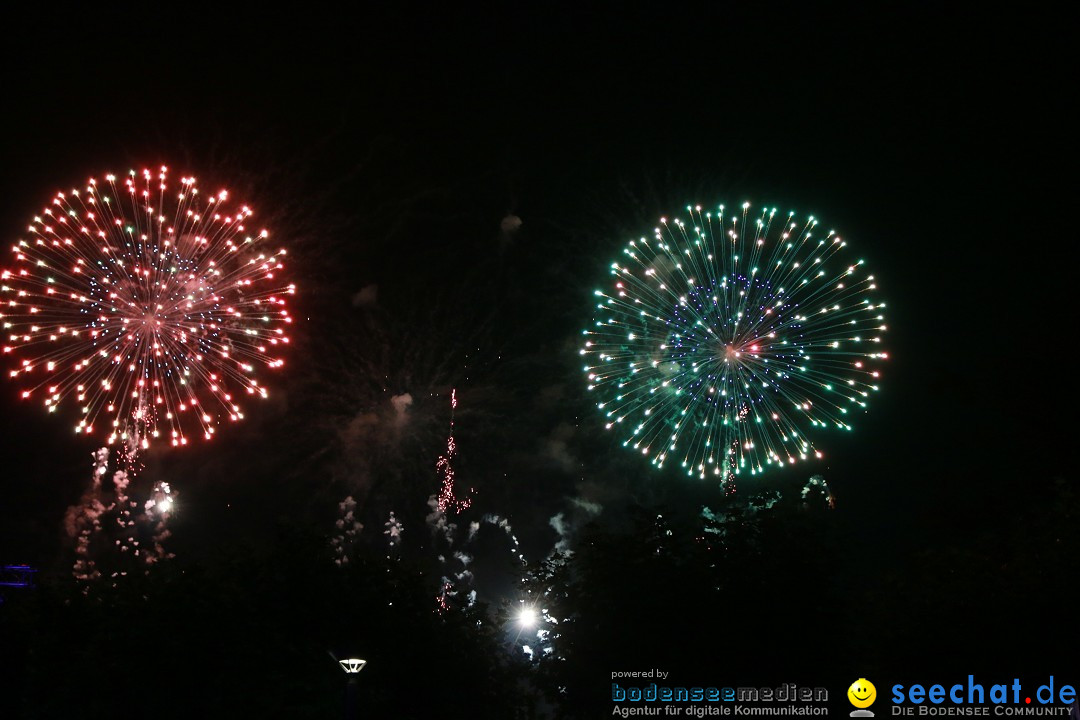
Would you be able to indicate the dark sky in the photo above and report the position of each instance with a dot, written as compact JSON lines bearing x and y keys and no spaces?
{"x":386,"y":148}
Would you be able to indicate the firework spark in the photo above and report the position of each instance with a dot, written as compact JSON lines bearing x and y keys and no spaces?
{"x":726,"y":337}
{"x":447,"y":499}
{"x":148,"y":305}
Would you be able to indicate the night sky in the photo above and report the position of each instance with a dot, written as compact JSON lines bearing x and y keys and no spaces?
{"x":385,"y":150}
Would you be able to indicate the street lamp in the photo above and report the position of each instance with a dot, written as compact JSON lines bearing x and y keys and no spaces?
{"x":527,"y":617}
{"x":352,"y":668}
{"x":352,"y":665}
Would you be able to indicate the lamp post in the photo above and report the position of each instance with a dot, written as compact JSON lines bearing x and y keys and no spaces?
{"x":352,"y":668}
{"x":525,"y":620}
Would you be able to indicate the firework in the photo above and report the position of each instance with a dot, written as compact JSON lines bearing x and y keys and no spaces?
{"x":393,"y":531}
{"x":105,"y":531}
{"x":504,"y":525}
{"x":146,"y":305}
{"x":447,"y":499}
{"x":83,"y":521}
{"x":454,"y":563}
{"x":816,"y":491}
{"x":157,"y":511}
{"x":349,"y":527}
{"x":727,"y":338}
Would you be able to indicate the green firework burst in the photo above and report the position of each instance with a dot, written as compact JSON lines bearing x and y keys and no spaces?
{"x":727,"y":339}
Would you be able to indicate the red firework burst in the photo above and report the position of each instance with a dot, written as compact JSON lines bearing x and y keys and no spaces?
{"x":150,"y":307}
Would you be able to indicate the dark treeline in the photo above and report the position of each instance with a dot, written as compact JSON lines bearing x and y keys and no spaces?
{"x":760,"y":585}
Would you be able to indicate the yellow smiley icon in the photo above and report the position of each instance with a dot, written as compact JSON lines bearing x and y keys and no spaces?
{"x":862,"y":693}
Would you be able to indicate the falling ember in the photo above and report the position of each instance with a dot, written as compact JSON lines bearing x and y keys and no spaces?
{"x":729,"y":338}
{"x":448,"y":501}
{"x":144,"y":302}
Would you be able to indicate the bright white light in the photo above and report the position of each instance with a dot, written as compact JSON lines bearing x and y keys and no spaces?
{"x":352,"y":665}
{"x":527,"y":617}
